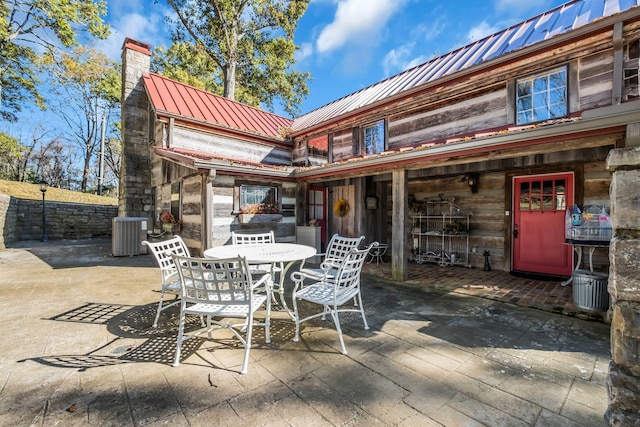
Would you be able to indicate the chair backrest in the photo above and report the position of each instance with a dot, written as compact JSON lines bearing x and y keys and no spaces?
{"x":347,"y":276}
{"x":339,"y":246}
{"x":252,"y":238}
{"x":214,"y":281}
{"x":162,"y":252}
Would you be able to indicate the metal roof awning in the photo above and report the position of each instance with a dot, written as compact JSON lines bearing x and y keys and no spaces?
{"x":206,"y":161}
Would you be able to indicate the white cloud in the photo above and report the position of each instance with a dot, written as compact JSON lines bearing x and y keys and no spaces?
{"x":356,"y":21}
{"x":430,"y":31}
{"x":399,"y":59}
{"x":147,"y":27}
{"x":481,"y":30}
{"x":305,"y":51}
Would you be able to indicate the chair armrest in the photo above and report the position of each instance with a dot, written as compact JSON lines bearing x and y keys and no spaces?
{"x":263,"y":281}
{"x":330,"y":263}
{"x":299,"y":276}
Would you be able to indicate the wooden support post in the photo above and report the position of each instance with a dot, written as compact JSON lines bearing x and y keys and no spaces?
{"x":399,"y":220}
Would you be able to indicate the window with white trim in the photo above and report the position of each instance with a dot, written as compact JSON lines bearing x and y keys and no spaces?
{"x":542,"y":96}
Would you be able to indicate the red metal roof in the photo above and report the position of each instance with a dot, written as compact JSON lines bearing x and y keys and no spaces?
{"x":178,"y":99}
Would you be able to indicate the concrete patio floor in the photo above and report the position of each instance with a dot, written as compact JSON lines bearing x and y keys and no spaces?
{"x":79,"y":349}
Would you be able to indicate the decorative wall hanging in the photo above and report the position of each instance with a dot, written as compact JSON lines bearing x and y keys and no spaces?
{"x":341,"y":207}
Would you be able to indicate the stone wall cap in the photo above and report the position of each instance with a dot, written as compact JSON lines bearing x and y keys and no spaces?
{"x":623,"y":157}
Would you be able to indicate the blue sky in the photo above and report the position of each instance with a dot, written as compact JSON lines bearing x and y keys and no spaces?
{"x":350,"y":44}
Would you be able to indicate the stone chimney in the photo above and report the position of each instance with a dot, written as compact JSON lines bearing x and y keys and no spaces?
{"x":135,"y":198}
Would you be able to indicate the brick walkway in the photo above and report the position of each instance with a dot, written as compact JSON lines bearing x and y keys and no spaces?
{"x":495,"y":285}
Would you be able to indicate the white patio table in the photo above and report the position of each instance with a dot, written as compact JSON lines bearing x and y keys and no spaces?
{"x":267,"y":253}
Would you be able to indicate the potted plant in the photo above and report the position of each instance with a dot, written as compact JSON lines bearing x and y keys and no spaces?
{"x":169,"y":222}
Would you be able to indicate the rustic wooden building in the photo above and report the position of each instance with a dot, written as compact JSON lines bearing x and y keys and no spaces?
{"x":497,"y":137}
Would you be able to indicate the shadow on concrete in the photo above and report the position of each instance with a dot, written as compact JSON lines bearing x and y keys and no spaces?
{"x":60,"y":254}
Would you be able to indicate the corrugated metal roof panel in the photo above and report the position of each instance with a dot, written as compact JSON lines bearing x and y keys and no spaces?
{"x":561,"y":19}
{"x":178,"y":99}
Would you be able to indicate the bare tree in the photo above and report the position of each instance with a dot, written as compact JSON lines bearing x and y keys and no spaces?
{"x":85,"y":88}
{"x":54,"y":162}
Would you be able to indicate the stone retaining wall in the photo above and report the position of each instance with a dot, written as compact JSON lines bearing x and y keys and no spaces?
{"x":21,"y":220}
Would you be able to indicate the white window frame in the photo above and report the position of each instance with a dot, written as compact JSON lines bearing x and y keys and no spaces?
{"x":540,"y":97}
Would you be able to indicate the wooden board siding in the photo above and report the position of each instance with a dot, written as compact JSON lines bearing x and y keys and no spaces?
{"x":486,"y":209}
{"x":222,"y":206}
{"x":230,"y":148}
{"x":342,"y":145}
{"x":482,"y":101}
{"x":344,"y":226}
{"x":300,"y":153}
{"x":192,"y":213}
{"x":597,"y":180}
{"x":596,"y":80}
{"x":223,"y":221}
{"x":472,"y":115}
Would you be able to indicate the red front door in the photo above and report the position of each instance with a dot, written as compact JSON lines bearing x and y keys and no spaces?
{"x":539,"y":224}
{"x":318,"y":210}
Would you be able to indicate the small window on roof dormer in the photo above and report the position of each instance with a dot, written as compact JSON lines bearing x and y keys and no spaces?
{"x":542,"y":96}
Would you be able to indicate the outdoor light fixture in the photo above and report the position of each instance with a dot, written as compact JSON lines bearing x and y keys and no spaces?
{"x":472,"y":181}
{"x":43,"y":187}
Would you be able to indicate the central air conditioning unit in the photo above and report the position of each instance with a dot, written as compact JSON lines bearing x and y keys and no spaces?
{"x":128,"y":233}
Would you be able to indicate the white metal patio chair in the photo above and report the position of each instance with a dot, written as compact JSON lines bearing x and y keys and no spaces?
{"x":332,"y":292}
{"x":222,"y":289}
{"x":162,"y":252}
{"x":337,"y":249}
{"x":238,"y":238}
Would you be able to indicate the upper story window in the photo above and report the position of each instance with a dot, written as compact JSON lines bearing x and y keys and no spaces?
{"x":542,"y":96}
{"x":631,"y":85}
{"x":373,"y":138}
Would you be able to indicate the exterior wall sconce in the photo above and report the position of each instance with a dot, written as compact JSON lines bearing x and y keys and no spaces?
{"x":472,"y":181}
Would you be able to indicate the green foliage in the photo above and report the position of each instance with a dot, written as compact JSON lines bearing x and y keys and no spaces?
{"x":189,"y":64}
{"x":10,"y":152}
{"x":44,"y":24}
{"x":249,"y":44}
{"x":9,"y":145}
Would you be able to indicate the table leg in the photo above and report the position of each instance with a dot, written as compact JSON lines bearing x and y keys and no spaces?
{"x":280,"y":289}
{"x":592,"y":249}
{"x":578,"y":251}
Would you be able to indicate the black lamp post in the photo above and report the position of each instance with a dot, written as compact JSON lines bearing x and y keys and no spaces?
{"x":43,"y":187}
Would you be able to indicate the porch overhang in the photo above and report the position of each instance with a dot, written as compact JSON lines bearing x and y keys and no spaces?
{"x":218,"y":166}
{"x":592,"y":123}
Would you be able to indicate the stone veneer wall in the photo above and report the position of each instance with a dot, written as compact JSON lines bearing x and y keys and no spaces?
{"x":136,"y":198}
{"x":8,"y":217}
{"x":21,"y":219}
{"x":623,"y":381}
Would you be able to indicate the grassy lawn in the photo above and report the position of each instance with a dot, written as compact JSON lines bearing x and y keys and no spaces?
{"x":23,"y":190}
